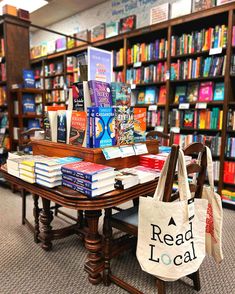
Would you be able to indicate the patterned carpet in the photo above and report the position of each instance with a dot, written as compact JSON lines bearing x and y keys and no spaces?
{"x":26,"y":269}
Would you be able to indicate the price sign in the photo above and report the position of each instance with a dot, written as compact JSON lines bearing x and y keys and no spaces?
{"x":127,"y":151}
{"x":159,"y":128}
{"x":175,"y":130}
{"x":201,"y":105}
{"x":140,"y":149}
{"x":214,"y":51}
{"x":184,"y":106}
{"x":152,"y":107}
{"x":111,"y":152}
{"x":133,"y":86}
{"x":137,"y":64}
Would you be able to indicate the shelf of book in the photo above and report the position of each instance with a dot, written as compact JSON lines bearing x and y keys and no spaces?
{"x":197,"y":79}
{"x":196,"y":54}
{"x":148,"y":62}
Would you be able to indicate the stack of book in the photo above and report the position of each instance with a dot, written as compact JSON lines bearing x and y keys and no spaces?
{"x":228,"y":195}
{"x":88,"y":178}
{"x":118,"y":57}
{"x":13,"y":163}
{"x":27,"y":168}
{"x":125,"y":180}
{"x":48,"y":171}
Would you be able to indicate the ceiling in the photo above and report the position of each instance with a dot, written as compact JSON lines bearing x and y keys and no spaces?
{"x":57,"y":10}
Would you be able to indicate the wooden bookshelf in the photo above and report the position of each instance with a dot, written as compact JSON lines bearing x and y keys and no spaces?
{"x":219,"y":15}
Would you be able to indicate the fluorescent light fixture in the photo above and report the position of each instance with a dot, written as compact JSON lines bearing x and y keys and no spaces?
{"x":30,"y":5}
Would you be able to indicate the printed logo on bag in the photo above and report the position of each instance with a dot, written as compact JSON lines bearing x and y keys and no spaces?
{"x":210,"y":222}
{"x":166,"y":258}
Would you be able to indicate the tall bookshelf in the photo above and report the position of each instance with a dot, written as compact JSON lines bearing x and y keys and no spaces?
{"x":221,"y":15}
{"x":14,"y":34}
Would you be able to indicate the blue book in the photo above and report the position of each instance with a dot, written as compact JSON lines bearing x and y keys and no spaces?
{"x":87,"y":184}
{"x":28,"y":102}
{"x":33,"y":124}
{"x":103,"y":127}
{"x":86,"y":191}
{"x":219,"y":92}
{"x":150,"y":95}
{"x":28,"y":77}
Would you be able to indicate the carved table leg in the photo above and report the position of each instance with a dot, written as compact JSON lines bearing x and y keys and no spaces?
{"x":36,"y":211}
{"x":94,"y":265}
{"x":46,"y":217}
{"x":107,"y":231}
{"x":23,"y":196}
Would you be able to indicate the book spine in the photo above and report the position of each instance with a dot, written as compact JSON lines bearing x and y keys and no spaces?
{"x":77,"y":188}
{"x":75,"y":173}
{"x":77,"y":181}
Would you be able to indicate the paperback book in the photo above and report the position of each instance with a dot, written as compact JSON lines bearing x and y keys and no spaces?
{"x":202,"y":4}
{"x":28,"y":78}
{"x":180,"y":94}
{"x":78,"y":96}
{"x":28,"y":102}
{"x":162,"y":95}
{"x":140,"y":124}
{"x":150,"y":95}
{"x":218,"y":92}
{"x":98,"y":33}
{"x":206,"y":92}
{"x":121,"y":94}
{"x":141,"y":97}
{"x":61,"y":126}
{"x":124,"y":117}
{"x":192,"y":92}
{"x":100,"y":93}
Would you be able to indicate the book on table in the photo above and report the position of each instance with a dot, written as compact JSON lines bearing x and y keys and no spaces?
{"x":88,"y":184}
{"x":53,"y":164}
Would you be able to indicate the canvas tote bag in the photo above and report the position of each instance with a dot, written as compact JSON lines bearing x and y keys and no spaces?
{"x":170,"y":245}
{"x":214,"y":221}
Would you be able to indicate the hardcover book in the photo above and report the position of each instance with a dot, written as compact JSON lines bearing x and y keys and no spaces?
{"x":150,"y":95}
{"x":140,"y":125}
{"x":218,"y":92}
{"x":127,"y":24}
{"x":192,"y":92}
{"x":88,"y":184}
{"x":88,"y":170}
{"x":121,"y":94}
{"x":180,"y":94}
{"x":206,"y":91}
{"x":111,"y":29}
{"x":202,"y":4}
{"x":100,"y":93}
{"x":162,"y":95}
{"x":52,"y":164}
{"x":78,"y":96}
{"x":61,"y":126}
{"x":28,"y":102}
{"x":78,"y":128}
{"x":28,"y":77}
{"x":124,"y":125}
{"x":141,"y":97}
{"x":98,"y":33}
{"x":86,"y":191}
{"x":103,"y":127}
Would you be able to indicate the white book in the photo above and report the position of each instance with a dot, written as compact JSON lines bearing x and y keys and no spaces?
{"x":27,"y":179}
{"x":48,"y":184}
{"x":48,"y":174}
{"x":49,"y":179}
{"x":13,"y":163}
{"x":13,"y":172}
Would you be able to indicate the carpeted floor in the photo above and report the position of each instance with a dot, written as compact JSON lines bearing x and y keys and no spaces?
{"x":26,"y":269}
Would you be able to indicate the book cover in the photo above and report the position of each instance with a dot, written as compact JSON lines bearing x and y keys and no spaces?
{"x":83,"y":35}
{"x":124,"y":117}
{"x":159,"y":13}
{"x":188,"y":119}
{"x":140,"y":124}
{"x":103,"y":127}
{"x":202,"y":4}
{"x":205,"y":91}
{"x":60,"y":44}
{"x":78,"y":96}
{"x":111,"y":29}
{"x":180,"y":94}
{"x":78,"y":128}
{"x":100,"y":93}
{"x":33,"y":124}
{"x":98,"y":33}
{"x":88,"y":170}
{"x":121,"y":94}
{"x":127,"y":24}
{"x":150,"y":95}
{"x":86,"y":191}
{"x":192,"y":92}
{"x":28,"y":78}
{"x":28,"y":102}
{"x":218,"y":92}
{"x":88,"y":184}
{"x":180,"y":8}
{"x":141,"y":97}
{"x":61,"y":126}
{"x":162,"y":95}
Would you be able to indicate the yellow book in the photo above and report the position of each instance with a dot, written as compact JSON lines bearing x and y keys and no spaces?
{"x":121,"y":62}
{"x":220,"y":119}
{"x":27,"y":179}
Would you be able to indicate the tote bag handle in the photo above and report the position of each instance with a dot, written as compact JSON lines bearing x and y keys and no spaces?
{"x":184,"y":191}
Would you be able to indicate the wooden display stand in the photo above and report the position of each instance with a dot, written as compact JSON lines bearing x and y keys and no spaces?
{"x":43,"y":147}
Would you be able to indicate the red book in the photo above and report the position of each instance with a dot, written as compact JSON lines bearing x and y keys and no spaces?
{"x":78,"y":128}
{"x":162,"y":95}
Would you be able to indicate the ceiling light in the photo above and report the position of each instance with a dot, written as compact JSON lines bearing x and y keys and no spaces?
{"x":24,"y":4}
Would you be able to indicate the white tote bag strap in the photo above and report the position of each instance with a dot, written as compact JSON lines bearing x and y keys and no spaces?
{"x":210,"y":168}
{"x":184,"y":191}
{"x":159,"y":192}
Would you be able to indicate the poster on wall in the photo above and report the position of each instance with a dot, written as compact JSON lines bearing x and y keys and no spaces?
{"x":100,"y":65}
{"x":159,"y":13}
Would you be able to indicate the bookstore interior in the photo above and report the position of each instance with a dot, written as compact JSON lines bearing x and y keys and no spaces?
{"x":105,"y":107}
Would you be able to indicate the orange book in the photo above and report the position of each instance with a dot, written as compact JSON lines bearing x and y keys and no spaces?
{"x":202,"y":123}
{"x":220,"y":119}
{"x":162,"y":95}
{"x":140,"y":124}
{"x":77,"y":134}
{"x":55,"y":108}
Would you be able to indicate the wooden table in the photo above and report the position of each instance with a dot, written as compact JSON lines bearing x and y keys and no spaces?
{"x":92,"y":208}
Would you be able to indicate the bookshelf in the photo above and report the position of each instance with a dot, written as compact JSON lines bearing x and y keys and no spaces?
{"x":27,"y":110}
{"x":220,"y":18}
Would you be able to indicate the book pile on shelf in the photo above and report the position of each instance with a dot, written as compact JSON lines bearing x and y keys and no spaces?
{"x":88,"y":178}
{"x":199,"y":41}
{"x":201,"y":67}
{"x":147,"y":52}
{"x":197,"y":119}
{"x":55,"y":82}
{"x":229,"y":172}
{"x":118,"y":57}
{"x":228,"y":196}
{"x":155,"y":118}
{"x":185,"y":140}
{"x":147,"y":74}
{"x":199,"y":92}
{"x":53,"y":69}
{"x":48,"y":171}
